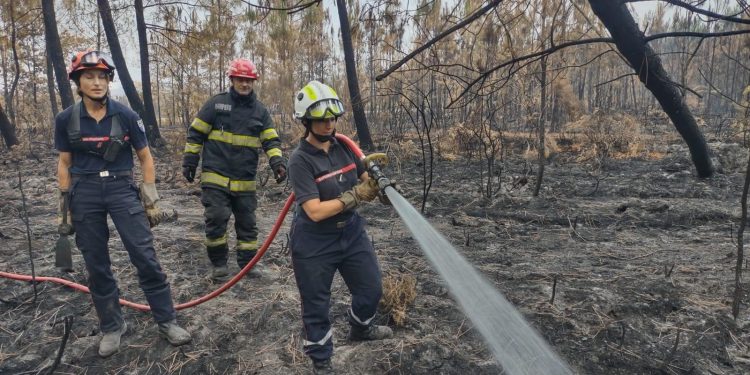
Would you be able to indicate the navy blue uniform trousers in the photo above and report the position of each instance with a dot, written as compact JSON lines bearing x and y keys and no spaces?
{"x":317,"y":252}
{"x":92,"y":198}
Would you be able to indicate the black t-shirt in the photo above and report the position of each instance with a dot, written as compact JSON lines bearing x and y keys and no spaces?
{"x":314,"y":173}
{"x":84,"y":162}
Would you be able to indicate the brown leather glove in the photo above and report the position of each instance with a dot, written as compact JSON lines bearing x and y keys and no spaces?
{"x":364,"y":191}
{"x":149,"y":197}
{"x":367,"y":190}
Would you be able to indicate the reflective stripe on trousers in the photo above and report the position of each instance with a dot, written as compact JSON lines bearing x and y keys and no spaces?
{"x":316,"y":256}
{"x":219,"y":205}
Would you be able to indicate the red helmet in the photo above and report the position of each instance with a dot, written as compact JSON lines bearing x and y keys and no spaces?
{"x":90,"y":59}
{"x":242,"y":68}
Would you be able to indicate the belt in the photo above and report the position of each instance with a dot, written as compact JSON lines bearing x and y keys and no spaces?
{"x":328,"y":226}
{"x":104,"y":174}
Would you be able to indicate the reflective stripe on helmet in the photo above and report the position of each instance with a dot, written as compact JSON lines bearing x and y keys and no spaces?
{"x":311,"y":92}
{"x":309,"y":99}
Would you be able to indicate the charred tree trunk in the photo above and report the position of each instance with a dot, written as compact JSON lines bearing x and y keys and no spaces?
{"x":17,"y":70}
{"x":55,"y":54}
{"x":630,"y":42}
{"x":122,"y":69}
{"x":51,"y":87}
{"x":541,"y":160}
{"x":7,"y":130}
{"x":360,"y":120}
{"x":149,"y":115}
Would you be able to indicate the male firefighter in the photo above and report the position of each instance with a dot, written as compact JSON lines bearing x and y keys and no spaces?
{"x":229,"y":132}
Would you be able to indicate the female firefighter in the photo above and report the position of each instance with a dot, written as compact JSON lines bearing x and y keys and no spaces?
{"x":95,"y":138}
{"x":327,"y":234}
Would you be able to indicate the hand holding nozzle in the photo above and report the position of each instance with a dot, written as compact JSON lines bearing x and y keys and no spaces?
{"x":373,"y":163}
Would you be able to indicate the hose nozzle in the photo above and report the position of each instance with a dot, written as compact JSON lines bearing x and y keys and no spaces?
{"x":373,"y":163}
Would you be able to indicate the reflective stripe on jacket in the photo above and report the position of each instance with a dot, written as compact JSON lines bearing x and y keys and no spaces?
{"x":229,"y":133}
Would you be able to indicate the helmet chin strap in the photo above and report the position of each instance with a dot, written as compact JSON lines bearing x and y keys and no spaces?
{"x":102,"y":101}
{"x":319,"y":137}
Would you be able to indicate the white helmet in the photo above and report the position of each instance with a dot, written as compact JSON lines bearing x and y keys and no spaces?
{"x":317,"y":101}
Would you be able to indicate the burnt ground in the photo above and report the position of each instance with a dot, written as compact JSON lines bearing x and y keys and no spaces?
{"x":640,"y":253}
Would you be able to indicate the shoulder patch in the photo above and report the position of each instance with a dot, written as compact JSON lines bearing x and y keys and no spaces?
{"x":140,"y":126}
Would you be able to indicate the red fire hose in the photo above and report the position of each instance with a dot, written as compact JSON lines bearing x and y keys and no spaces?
{"x":279,"y":220}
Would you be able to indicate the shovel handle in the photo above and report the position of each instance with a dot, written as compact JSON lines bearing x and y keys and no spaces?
{"x":66,"y":207}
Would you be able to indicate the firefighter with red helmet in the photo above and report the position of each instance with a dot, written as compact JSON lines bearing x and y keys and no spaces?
{"x":95,"y":138}
{"x":229,"y":133}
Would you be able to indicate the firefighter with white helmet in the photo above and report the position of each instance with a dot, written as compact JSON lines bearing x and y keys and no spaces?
{"x":327,"y":233}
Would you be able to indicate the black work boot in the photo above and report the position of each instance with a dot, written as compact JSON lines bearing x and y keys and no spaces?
{"x":218,"y":254}
{"x":323,"y":367}
{"x":244,"y":257}
{"x":370,"y":332}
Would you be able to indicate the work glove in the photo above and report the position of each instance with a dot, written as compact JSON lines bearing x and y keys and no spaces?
{"x":279,"y":173}
{"x":149,"y":197}
{"x":63,"y":208}
{"x":278,"y":165}
{"x":189,"y":173}
{"x":364,"y":191}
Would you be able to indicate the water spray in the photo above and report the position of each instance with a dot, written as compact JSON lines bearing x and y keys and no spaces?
{"x":517,"y":347}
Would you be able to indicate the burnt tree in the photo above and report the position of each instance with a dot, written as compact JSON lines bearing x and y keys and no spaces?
{"x":149,"y":115}
{"x":122,"y":70}
{"x":7,"y":130}
{"x":55,"y":53}
{"x":631,"y":42}
{"x":51,"y":87}
{"x":360,"y":120}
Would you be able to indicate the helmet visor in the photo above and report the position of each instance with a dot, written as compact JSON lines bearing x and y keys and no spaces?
{"x":94,"y":58}
{"x":324,"y":109}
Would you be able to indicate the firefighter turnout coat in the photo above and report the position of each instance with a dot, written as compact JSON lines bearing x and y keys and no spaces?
{"x":229,"y":131}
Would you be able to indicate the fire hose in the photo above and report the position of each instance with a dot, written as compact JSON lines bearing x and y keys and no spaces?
{"x":377,"y":174}
{"x":518,"y":348}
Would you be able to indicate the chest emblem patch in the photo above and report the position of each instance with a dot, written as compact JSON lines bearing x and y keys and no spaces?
{"x":223,"y":107}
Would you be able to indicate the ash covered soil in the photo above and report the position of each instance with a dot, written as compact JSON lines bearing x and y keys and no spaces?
{"x":639,"y":255}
